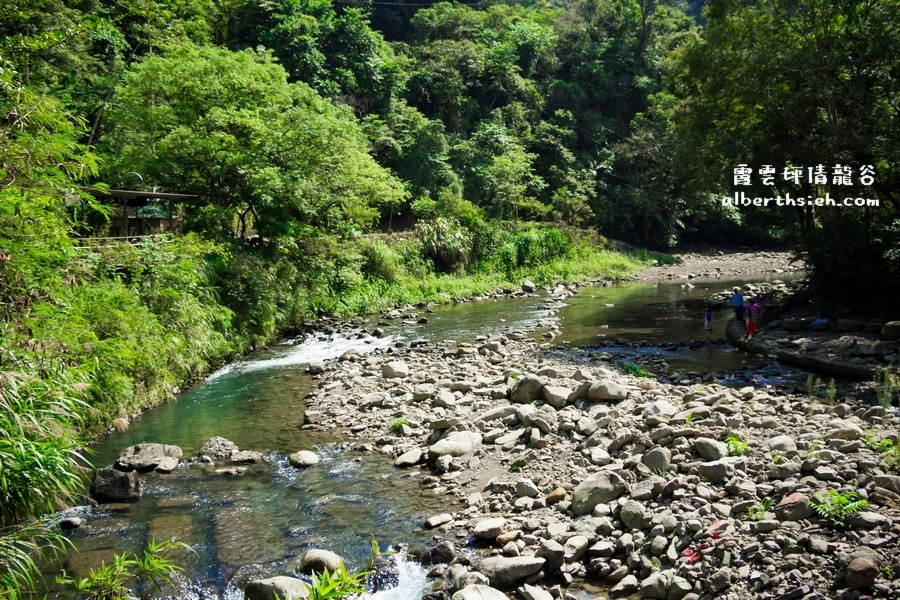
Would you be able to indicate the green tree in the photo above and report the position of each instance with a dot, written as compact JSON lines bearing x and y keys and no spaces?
{"x":786,"y":83}
{"x":266,"y":156}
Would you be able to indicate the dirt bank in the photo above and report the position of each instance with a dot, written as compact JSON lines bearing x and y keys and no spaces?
{"x":722,"y":263}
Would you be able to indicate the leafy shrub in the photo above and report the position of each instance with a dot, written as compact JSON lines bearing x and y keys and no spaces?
{"x":635,"y":369}
{"x":446,"y":243}
{"x":339,"y":585}
{"x":111,"y":582}
{"x":836,"y":507}
{"x":885,"y":385}
{"x":398,"y":424}
{"x":412,"y":258}
{"x":878,"y":445}
{"x":380,"y":262}
{"x":892,"y":459}
{"x":736,"y":446}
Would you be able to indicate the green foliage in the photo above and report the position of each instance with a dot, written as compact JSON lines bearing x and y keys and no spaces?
{"x":831,"y":392}
{"x":39,"y":446}
{"x":777,"y":458}
{"x":836,"y":507}
{"x":398,"y":424}
{"x":266,"y":156}
{"x":878,"y":445}
{"x":886,"y":383}
{"x":689,"y":418}
{"x":812,"y":453}
{"x":892,"y":459}
{"x":111,"y":582}
{"x":20,"y":549}
{"x":758,"y":511}
{"x":39,"y":458}
{"x":812,"y":386}
{"x":636,"y":370}
{"x":739,"y":103}
{"x":447,"y":244}
{"x":736,"y":446}
{"x":380,"y":262}
{"x":338,"y":585}
{"x":648,"y":256}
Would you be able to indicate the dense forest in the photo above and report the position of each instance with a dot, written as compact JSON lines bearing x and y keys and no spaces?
{"x":502,"y":139}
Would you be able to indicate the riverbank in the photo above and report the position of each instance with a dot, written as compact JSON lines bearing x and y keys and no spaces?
{"x":729,"y":264}
{"x":561,"y":467}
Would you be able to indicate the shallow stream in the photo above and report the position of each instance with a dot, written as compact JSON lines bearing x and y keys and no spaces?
{"x":257,"y":524}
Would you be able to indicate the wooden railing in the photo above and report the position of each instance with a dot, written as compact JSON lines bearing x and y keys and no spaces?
{"x":91,"y":243}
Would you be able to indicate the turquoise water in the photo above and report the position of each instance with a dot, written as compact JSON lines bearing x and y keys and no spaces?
{"x":257,"y":524}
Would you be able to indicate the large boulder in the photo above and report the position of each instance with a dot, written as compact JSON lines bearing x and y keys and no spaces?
{"x":396,"y":369}
{"x":111,"y":485}
{"x":888,"y":482}
{"x":318,"y":560}
{"x":657,"y":459}
{"x":794,"y":507}
{"x":710,"y":449}
{"x":146,"y":457}
{"x":601,"y":487}
{"x":782,"y":443}
{"x":441,"y":553}
{"x":527,"y":389}
{"x":606,"y":390}
{"x":506,"y":572}
{"x":409,"y":458}
{"x":556,"y":396}
{"x":303,"y":459}
{"x":553,"y":553}
{"x":658,"y":412}
{"x":717,"y":471}
{"x":634,"y":515}
{"x":479,"y":592}
{"x":281,"y":587}
{"x":218,"y":448}
{"x":862,"y":573}
{"x":489,"y":529}
{"x":891,"y":330}
{"x":665,"y":585}
{"x":458,"y":443}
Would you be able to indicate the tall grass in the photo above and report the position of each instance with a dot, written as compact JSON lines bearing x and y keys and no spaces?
{"x":39,"y":453}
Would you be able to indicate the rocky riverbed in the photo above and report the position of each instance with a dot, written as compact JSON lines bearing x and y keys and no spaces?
{"x":722,"y":263}
{"x":558,"y":467}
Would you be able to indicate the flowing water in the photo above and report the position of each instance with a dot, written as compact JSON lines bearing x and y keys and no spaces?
{"x":255,"y":524}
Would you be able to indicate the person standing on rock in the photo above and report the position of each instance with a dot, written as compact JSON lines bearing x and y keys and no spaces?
{"x":755,"y":310}
{"x":737,"y":299}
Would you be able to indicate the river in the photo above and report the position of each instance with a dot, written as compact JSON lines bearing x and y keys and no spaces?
{"x":257,"y":524}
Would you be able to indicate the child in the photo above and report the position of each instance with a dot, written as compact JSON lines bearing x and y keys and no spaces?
{"x":753,"y":318}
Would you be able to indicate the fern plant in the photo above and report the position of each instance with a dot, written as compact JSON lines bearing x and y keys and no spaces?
{"x":758,"y":511}
{"x":836,"y":507}
{"x":736,"y":446}
{"x":339,"y":585}
{"x":111,"y":582}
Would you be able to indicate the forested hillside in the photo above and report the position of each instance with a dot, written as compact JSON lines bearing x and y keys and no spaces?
{"x":507,"y":139}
